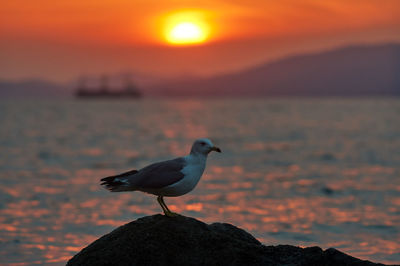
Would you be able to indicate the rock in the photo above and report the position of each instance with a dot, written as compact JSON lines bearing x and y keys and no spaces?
{"x":161,"y":240}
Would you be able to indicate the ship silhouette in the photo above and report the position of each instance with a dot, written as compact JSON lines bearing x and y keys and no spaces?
{"x":104,"y":91}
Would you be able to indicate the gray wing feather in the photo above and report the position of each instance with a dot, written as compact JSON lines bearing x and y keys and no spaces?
{"x":159,"y":175}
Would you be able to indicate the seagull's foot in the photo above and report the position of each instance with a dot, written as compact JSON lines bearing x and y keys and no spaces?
{"x":164,"y":206}
{"x":170,"y":213}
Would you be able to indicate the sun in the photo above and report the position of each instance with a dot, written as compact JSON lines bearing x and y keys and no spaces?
{"x":186,"y":27}
{"x":186,"y":33}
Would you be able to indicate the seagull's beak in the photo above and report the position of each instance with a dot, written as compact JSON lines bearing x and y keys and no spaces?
{"x":216,"y":149}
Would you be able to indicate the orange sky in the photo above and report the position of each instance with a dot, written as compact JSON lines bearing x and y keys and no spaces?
{"x":67,"y":37}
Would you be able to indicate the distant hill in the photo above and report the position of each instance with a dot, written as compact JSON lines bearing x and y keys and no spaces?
{"x":31,"y":88}
{"x":350,"y":71}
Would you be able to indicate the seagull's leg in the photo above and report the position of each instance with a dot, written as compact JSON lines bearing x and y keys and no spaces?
{"x":165,"y":205}
{"x":167,"y":212}
{"x":159,"y":199}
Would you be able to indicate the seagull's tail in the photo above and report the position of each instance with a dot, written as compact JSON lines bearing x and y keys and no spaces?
{"x":118,"y":183}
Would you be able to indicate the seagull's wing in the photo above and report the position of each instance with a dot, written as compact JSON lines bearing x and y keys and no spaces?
{"x":159,"y":175}
{"x":126,"y":174}
{"x":119,"y":182}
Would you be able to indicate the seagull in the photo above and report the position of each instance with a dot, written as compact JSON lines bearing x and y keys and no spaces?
{"x":170,"y":178}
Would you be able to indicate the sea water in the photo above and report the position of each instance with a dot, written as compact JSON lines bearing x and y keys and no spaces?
{"x":303,"y":172}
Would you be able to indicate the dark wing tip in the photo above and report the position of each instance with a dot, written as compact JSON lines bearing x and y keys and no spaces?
{"x":111,"y":178}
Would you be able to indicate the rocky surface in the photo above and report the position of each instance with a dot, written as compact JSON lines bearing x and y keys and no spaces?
{"x":161,"y":240}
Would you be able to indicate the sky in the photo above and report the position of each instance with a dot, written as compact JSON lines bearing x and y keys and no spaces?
{"x":64,"y":39}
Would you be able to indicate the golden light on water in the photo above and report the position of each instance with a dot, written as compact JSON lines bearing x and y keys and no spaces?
{"x":186,"y":27}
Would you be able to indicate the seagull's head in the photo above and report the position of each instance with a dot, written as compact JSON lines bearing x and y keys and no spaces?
{"x":203,"y":146}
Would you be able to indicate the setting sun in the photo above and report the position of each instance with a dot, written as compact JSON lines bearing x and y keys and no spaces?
{"x":186,"y":33}
{"x":186,"y":27}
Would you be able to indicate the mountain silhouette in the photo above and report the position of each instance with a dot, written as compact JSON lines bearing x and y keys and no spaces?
{"x":349,"y":71}
{"x":372,"y":70}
